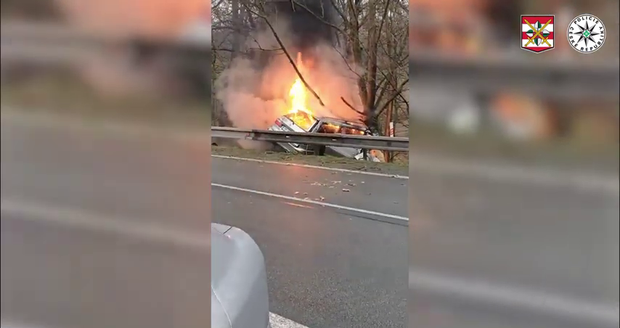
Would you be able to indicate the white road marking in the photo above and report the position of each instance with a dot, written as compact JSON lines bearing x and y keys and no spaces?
{"x":312,"y":167}
{"x":493,"y":172}
{"x":516,"y":174}
{"x":418,"y":161}
{"x":513,"y":298}
{"x":314,"y":202}
{"x":8,"y":324}
{"x":277,"y":321}
{"x":81,"y":219}
{"x":91,"y":221}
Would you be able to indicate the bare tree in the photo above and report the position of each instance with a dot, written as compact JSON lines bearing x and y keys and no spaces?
{"x":374,"y":34}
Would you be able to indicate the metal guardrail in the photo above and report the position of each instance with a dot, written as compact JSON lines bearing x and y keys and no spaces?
{"x":326,"y":139}
{"x":58,"y":44}
{"x":555,"y":77}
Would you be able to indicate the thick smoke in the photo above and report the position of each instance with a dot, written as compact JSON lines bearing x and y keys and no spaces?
{"x":254,"y":95}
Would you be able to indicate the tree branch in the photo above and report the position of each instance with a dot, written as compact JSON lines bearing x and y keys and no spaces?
{"x":353,"y":108}
{"x":385,"y":11}
{"x":288,"y":56}
{"x":295,"y":2}
{"x":396,"y":93}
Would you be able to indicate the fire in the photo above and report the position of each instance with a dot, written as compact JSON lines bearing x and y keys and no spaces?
{"x":298,"y":92}
{"x":300,"y":112}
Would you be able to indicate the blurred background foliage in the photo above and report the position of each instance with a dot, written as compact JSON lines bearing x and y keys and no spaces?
{"x":511,"y":121}
{"x":144,"y":71}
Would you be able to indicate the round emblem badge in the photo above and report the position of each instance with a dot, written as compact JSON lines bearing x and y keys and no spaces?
{"x":586,"y":33}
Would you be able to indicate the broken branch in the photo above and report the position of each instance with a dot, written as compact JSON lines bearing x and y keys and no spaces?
{"x":288,"y":56}
{"x":350,"y":106}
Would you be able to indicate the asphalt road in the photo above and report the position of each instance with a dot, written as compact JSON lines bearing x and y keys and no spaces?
{"x":489,"y":247}
{"x":328,"y":266}
{"x":486,"y":250}
{"x":372,"y":193}
{"x":137,"y":273}
{"x":512,"y":249}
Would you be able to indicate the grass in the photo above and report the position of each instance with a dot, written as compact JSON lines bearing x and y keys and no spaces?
{"x":396,"y":168}
{"x":63,"y":94}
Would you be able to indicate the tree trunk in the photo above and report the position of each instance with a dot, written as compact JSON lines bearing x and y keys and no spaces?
{"x":388,"y":119}
{"x":354,"y":48}
{"x":236,"y":20}
{"x":371,"y":63}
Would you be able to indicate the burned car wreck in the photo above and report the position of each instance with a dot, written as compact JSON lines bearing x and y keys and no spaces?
{"x":302,"y":121}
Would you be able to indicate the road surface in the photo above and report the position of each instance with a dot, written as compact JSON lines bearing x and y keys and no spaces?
{"x":512,"y":247}
{"x":490,"y":246}
{"x":487,"y":247}
{"x":339,"y":265}
{"x":138,"y":270}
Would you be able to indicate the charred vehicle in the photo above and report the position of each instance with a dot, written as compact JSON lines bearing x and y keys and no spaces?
{"x":302,"y":118}
{"x":301,"y":121}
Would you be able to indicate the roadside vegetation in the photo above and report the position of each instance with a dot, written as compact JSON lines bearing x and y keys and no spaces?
{"x":396,"y":168}
{"x":64,"y":94}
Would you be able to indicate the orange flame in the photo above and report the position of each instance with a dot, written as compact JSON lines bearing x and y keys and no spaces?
{"x":298,"y":92}
{"x":300,"y":112}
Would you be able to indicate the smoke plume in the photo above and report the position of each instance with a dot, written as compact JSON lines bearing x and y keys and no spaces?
{"x":253,"y":96}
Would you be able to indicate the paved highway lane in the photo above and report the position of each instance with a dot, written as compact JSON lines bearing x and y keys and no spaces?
{"x":131,"y":250}
{"x":490,"y":251}
{"x":153,"y":179}
{"x":328,"y":266}
{"x":325,"y":268}
{"x":351,"y":275}
{"x":67,"y":276}
{"x":385,"y":194}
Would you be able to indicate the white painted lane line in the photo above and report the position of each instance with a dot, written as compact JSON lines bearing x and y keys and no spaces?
{"x":512,"y":298}
{"x":10,"y":324}
{"x":75,"y":218}
{"x":417,"y":161}
{"x":81,"y":219}
{"x":493,"y":172}
{"x":314,"y":202}
{"x":277,"y":321}
{"x":515,"y":174}
{"x":385,"y":175}
{"x":104,"y":126}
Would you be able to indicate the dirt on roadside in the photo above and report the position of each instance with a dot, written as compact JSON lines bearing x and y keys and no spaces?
{"x":398,"y":168}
